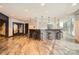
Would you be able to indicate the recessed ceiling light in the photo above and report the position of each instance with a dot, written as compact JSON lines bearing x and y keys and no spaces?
{"x":42,"y":4}
{"x":74,"y":4}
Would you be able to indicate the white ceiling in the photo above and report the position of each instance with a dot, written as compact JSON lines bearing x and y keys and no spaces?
{"x":24,"y":10}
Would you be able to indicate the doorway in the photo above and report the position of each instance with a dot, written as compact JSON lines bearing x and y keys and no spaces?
{"x":18,"y":28}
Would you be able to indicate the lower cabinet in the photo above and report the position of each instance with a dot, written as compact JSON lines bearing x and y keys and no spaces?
{"x":34,"y":33}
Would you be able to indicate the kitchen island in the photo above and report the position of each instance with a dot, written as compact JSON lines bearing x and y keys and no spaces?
{"x":45,"y":34}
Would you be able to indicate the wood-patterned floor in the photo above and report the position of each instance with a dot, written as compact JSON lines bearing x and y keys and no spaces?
{"x":21,"y":45}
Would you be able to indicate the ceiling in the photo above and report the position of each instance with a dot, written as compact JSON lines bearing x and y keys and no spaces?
{"x":24,"y":11}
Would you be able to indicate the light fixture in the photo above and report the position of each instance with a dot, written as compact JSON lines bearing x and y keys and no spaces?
{"x":42,"y":4}
{"x":74,"y":4}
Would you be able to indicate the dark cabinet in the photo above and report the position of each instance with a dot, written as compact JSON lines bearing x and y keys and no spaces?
{"x":34,"y":33}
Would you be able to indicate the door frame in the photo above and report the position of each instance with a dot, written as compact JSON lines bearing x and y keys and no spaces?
{"x":18,"y":28}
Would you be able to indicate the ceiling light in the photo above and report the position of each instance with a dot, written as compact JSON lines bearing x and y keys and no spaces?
{"x":74,"y":4}
{"x":42,"y":4}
